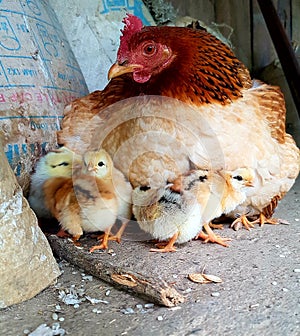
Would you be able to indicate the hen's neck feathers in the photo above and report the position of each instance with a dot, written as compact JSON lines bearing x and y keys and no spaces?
{"x":204,"y":70}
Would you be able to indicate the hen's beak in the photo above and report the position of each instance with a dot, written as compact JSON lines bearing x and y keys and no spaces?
{"x":118,"y":70}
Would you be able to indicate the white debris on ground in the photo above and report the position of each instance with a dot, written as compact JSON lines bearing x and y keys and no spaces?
{"x":44,"y":330}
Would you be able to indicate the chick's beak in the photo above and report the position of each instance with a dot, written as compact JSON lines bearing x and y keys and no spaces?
{"x":249,"y":184}
{"x":90,"y":168}
{"x":117,"y":70}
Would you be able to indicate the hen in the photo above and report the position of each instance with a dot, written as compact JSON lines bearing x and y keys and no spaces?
{"x":190,"y":99}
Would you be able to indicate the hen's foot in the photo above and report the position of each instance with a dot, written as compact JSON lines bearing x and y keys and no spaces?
{"x":242,"y":221}
{"x":262,"y":220}
{"x":166,"y":246}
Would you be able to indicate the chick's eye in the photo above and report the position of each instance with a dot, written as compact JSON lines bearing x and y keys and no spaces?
{"x":149,"y":49}
{"x":238,"y":177}
{"x":101,"y":164}
{"x":64,"y":164}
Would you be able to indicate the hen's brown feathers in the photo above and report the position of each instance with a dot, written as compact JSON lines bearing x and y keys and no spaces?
{"x":219,"y":118}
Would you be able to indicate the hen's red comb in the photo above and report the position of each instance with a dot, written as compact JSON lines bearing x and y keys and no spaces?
{"x":133,"y":24}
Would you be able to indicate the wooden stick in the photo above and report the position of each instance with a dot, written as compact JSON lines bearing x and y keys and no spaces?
{"x":151,"y":288}
{"x":283,"y":48}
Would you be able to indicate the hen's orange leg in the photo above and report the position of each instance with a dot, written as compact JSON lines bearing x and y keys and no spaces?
{"x":166,"y":247}
{"x":212,"y":237}
{"x":104,"y":244}
{"x":242,"y":221}
{"x":262,"y":220}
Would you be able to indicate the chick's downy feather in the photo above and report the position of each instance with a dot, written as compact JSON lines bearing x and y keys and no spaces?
{"x":182,"y":95}
{"x":58,"y":163}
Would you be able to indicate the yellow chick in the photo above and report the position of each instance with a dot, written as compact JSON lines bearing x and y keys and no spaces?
{"x":223,"y":193}
{"x":122,"y":188}
{"x":54,"y":164}
{"x":87,"y":202}
{"x":169,"y":215}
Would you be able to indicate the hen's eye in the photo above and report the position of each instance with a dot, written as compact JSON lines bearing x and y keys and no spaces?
{"x":101,"y":164}
{"x":149,"y":49}
{"x":238,"y":177}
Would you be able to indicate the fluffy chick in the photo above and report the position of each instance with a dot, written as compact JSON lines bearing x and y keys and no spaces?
{"x":57,"y":163}
{"x":88,"y":201}
{"x":122,"y":187}
{"x":170,"y":215}
{"x":179,"y":211}
{"x":223,"y":193}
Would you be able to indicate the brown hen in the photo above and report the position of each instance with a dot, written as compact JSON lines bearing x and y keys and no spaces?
{"x":194,"y":101}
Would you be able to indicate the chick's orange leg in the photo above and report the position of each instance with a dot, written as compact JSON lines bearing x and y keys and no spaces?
{"x":216,"y":226}
{"x":104,"y":244}
{"x":166,"y":247}
{"x":118,"y":235}
{"x":242,"y":221}
{"x":75,"y":240}
{"x":63,"y":234}
{"x":212,"y":237}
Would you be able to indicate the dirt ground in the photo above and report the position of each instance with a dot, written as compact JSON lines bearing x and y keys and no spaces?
{"x":259,"y":293}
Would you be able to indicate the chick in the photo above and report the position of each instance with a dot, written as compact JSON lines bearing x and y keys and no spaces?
{"x":170,"y":215}
{"x":57,"y":163}
{"x":122,"y":188}
{"x":87,"y":202}
{"x":223,"y":193}
{"x":179,"y":211}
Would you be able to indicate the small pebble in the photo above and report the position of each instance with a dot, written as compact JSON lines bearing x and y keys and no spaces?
{"x":175,"y":276}
{"x":76,"y":305}
{"x":26,"y":331}
{"x":57,"y":308}
{"x":274,"y":283}
{"x":74,"y":272}
{"x":54,"y":317}
{"x":215,"y":294}
{"x":159,"y":318}
{"x":285,"y":290}
{"x":107,"y":292}
{"x":127,"y":311}
{"x":297,"y":219}
{"x":281,"y":255}
{"x":61,"y":319}
{"x":254,"y":305}
{"x":139,"y":306}
{"x":297,"y":270}
{"x":149,"y":305}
